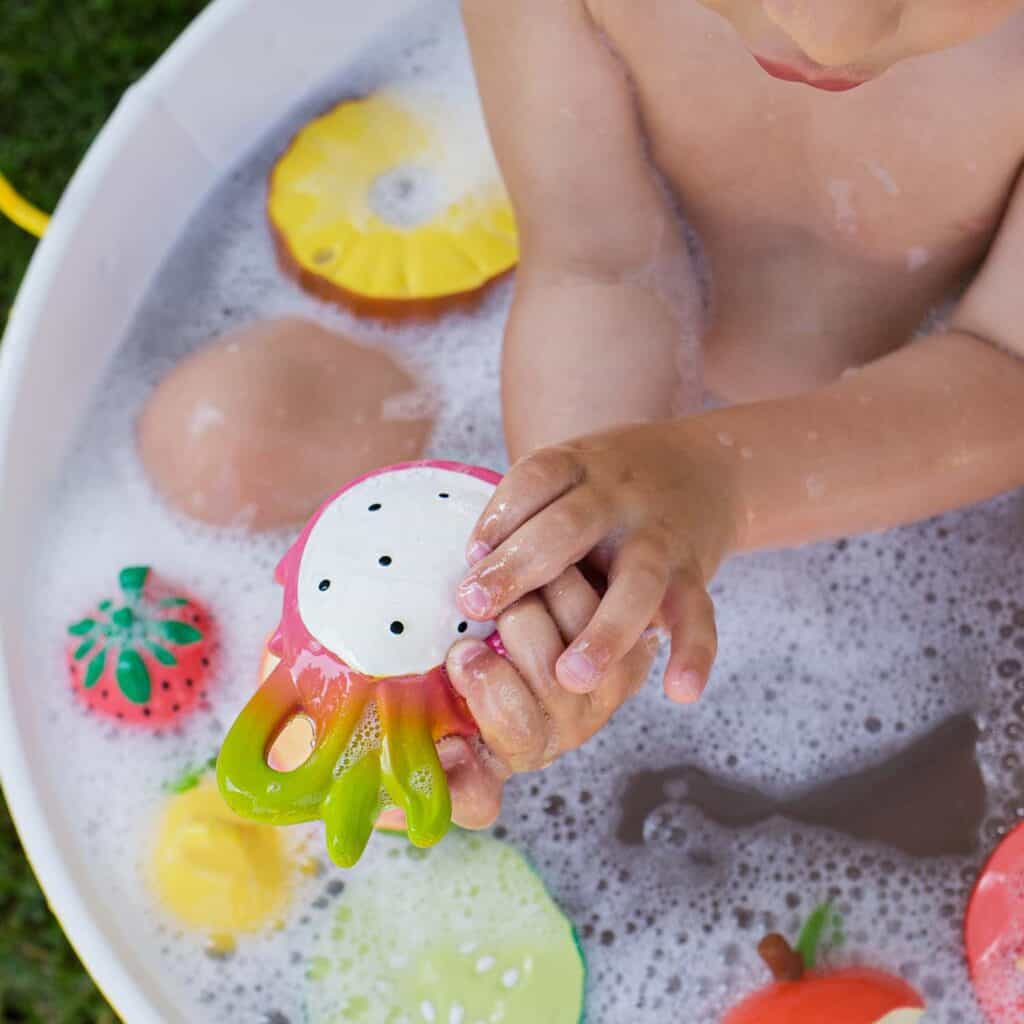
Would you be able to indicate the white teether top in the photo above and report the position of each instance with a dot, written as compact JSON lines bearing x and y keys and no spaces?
{"x":381,"y":566}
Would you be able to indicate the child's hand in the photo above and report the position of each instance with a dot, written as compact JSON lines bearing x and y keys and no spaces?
{"x":655,"y":506}
{"x":526,"y":718}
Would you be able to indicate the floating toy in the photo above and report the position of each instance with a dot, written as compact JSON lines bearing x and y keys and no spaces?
{"x":215,"y":872}
{"x":994,"y":932}
{"x":360,"y":214}
{"x":144,"y":657}
{"x":474,"y":936}
{"x":369,"y":616}
{"x":257,"y":427}
{"x":803,"y":994}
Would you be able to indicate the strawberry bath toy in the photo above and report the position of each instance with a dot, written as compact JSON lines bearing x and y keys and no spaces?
{"x":144,"y":657}
{"x":803,"y":994}
{"x":364,"y":212}
{"x":369,"y":616}
{"x":994,"y":932}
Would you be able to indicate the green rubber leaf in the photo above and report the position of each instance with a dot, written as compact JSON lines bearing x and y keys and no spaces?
{"x":133,"y":677}
{"x":190,"y":777}
{"x":95,"y":669}
{"x":180,"y":632}
{"x":123,"y":618}
{"x":133,"y":579}
{"x":173,"y":602}
{"x":83,"y":627}
{"x":823,"y":918}
{"x":85,"y":648}
{"x":161,"y":654}
{"x":105,"y":606}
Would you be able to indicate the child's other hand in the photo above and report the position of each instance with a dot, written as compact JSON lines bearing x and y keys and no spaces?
{"x":655,"y":507}
{"x":526,"y":718}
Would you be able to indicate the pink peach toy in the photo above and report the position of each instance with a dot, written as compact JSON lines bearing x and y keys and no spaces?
{"x":369,"y":616}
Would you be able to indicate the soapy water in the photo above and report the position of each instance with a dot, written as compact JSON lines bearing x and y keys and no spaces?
{"x":834,"y":660}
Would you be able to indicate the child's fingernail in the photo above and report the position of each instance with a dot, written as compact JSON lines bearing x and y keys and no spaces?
{"x":452,"y":754}
{"x":477,"y":552}
{"x":474,"y":599}
{"x":578,"y":669}
{"x":469,"y":652}
{"x":689,"y":686}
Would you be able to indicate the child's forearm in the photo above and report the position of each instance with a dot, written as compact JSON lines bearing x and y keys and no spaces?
{"x":583,"y":354}
{"x":932,"y":427}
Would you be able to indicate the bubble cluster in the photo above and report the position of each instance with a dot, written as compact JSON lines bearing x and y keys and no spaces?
{"x":834,"y":660}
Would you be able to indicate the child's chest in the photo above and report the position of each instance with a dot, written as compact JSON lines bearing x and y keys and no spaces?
{"x":909,"y":171}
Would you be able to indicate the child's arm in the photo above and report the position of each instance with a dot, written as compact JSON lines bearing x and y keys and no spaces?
{"x":603,"y":256}
{"x":934,"y":426}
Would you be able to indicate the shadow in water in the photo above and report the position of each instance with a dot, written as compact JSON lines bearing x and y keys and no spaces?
{"x":928,"y":800}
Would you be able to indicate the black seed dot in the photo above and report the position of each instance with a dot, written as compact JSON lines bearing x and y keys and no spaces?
{"x":175,"y":708}
{"x":206,"y":662}
{"x":165,"y":685}
{"x":384,"y":560}
{"x":444,"y":494}
{"x":105,"y":694}
{"x":324,"y":585}
{"x":189,"y":683}
{"x":375,"y":507}
{"x":147,"y":712}
{"x":463,"y":626}
{"x":397,"y":628}
{"x":120,"y":714}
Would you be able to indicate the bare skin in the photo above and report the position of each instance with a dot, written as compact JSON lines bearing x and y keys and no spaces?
{"x":833,"y":221}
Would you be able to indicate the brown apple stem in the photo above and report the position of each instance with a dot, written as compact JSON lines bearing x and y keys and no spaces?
{"x":782,"y":960}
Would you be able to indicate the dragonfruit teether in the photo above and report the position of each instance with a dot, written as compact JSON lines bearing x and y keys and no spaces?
{"x":144,"y":657}
{"x":369,"y":616}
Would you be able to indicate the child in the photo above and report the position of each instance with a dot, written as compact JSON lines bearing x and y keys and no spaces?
{"x":833,"y":218}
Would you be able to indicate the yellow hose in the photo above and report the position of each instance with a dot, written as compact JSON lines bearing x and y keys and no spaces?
{"x":21,"y":211}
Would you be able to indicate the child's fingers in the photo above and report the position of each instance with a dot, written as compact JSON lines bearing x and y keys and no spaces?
{"x":559,"y":536}
{"x":690,"y":615}
{"x":530,"y":485}
{"x":639,"y":578}
{"x":476,"y":785}
{"x":621,"y":683}
{"x":534,"y":643}
{"x":572,"y":602}
{"x":510,"y":718}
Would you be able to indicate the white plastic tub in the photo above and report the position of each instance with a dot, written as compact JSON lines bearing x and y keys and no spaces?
{"x":239,"y":68}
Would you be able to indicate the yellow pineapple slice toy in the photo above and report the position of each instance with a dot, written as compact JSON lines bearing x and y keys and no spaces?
{"x":364,"y":214}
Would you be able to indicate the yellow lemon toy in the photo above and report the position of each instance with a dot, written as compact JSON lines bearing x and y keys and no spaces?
{"x":215,"y":872}
{"x":364,"y":212}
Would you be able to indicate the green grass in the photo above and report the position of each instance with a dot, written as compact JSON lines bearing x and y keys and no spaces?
{"x":63,"y":66}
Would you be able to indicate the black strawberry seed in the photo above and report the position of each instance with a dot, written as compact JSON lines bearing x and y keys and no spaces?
{"x":165,"y":685}
{"x":188,"y":682}
{"x":105,"y":694}
{"x":175,"y":708}
{"x":147,"y":712}
{"x":206,"y":662}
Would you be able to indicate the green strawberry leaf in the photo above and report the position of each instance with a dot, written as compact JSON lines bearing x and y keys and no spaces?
{"x":83,"y":627}
{"x":173,"y":602}
{"x":105,"y":606}
{"x":179,"y":632}
{"x":823,"y":918}
{"x":95,"y":669}
{"x":133,"y":579}
{"x":85,"y":648}
{"x":133,"y":677}
{"x":161,"y":654}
